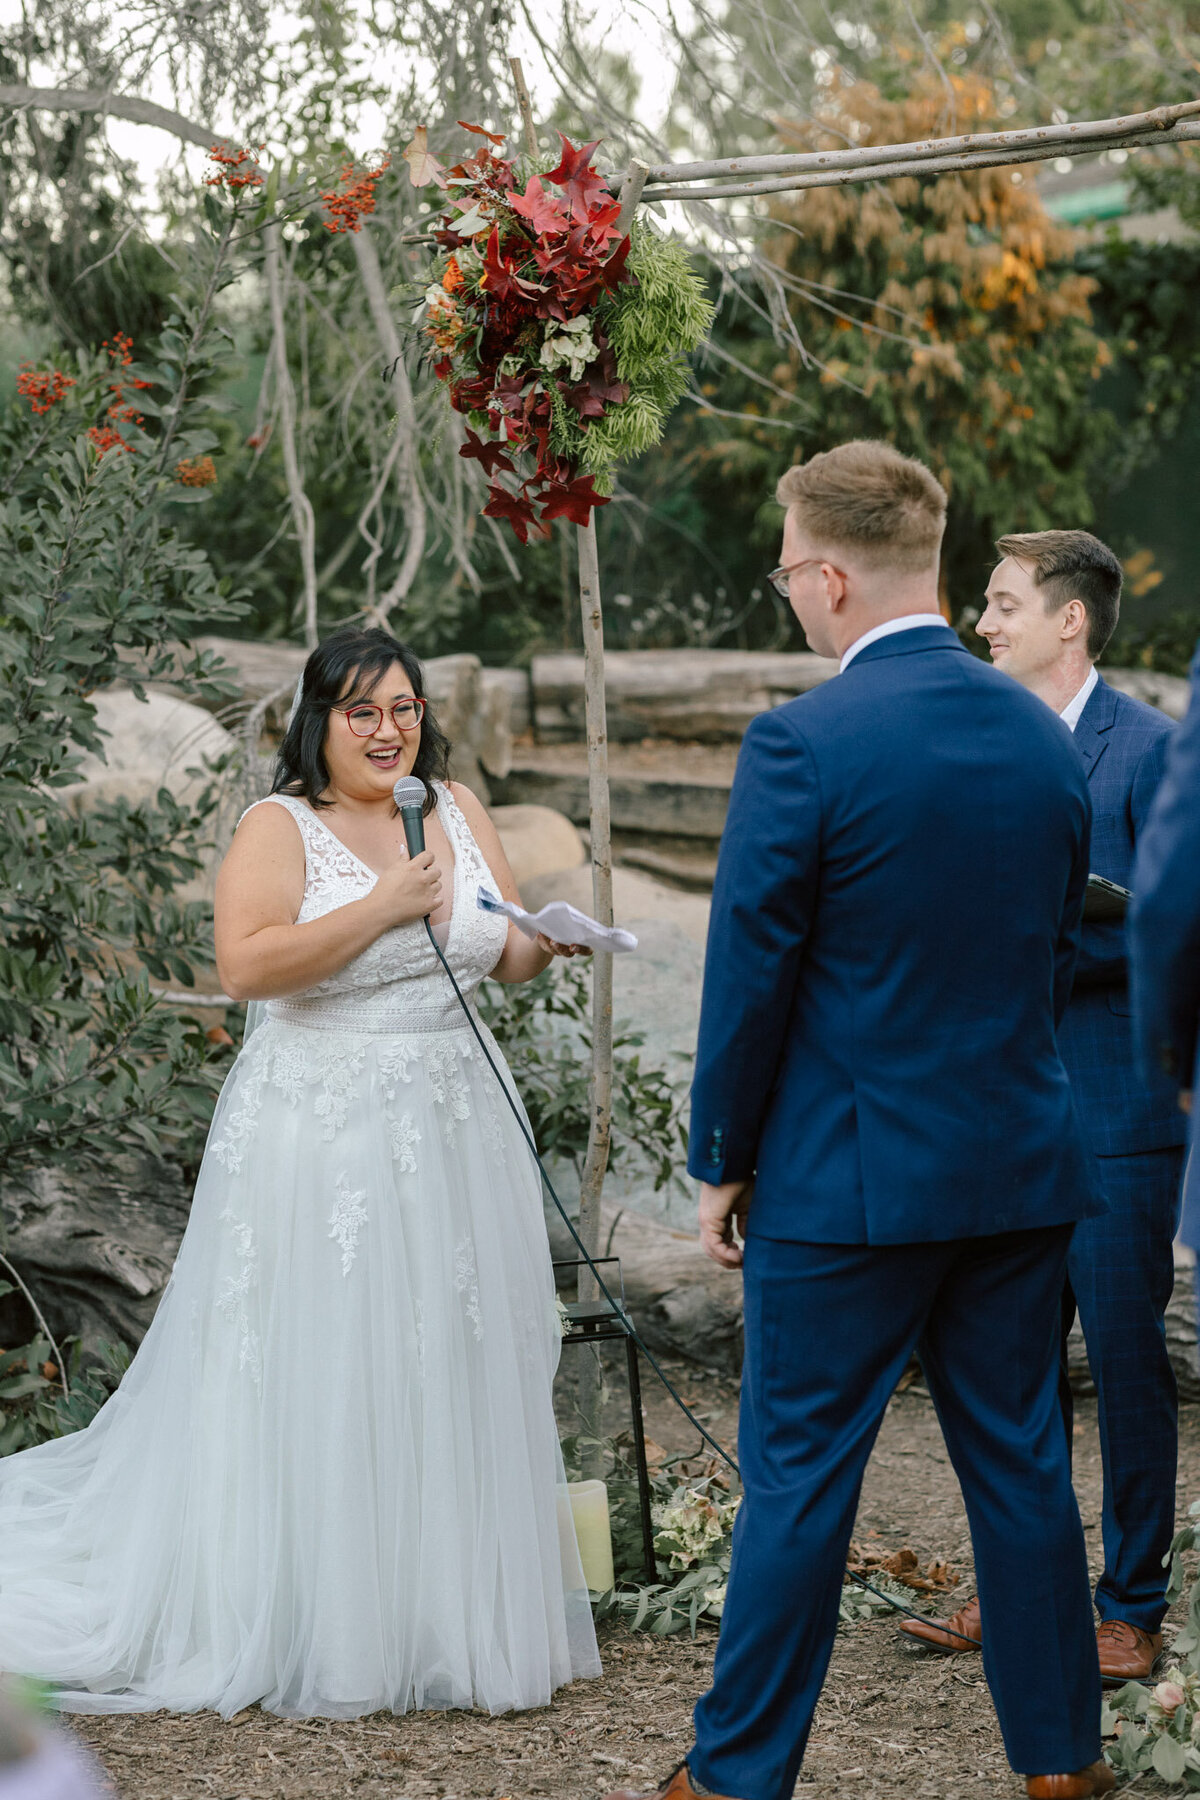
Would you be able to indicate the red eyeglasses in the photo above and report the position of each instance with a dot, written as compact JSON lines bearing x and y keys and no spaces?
{"x":365,"y":719}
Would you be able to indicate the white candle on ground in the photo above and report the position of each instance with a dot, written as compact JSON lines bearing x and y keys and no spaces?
{"x":593,"y":1533}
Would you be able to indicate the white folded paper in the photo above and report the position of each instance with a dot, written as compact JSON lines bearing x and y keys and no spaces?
{"x":562,"y":922}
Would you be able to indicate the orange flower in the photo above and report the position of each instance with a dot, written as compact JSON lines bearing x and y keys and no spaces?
{"x":105,"y":438}
{"x":231,"y":171}
{"x":453,"y":278}
{"x":355,"y":200}
{"x":42,"y":388}
{"x":196,"y":472}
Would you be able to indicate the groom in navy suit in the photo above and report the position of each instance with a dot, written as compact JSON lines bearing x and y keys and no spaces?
{"x":880,"y":1103}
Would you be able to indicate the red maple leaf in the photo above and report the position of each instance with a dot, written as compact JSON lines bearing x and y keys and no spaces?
{"x":499,"y":272}
{"x":601,"y":386}
{"x":576,"y":174}
{"x":515,"y":508}
{"x":572,"y":500}
{"x":608,"y":276}
{"x":544,"y":211}
{"x":490,"y":455}
{"x":491,"y":136}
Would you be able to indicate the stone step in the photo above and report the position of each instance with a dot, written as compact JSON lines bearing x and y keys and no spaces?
{"x":662,"y":790}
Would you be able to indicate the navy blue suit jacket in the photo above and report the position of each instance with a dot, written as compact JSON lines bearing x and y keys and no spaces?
{"x":1124,"y":748}
{"x":1165,"y":929}
{"x":894,"y":930}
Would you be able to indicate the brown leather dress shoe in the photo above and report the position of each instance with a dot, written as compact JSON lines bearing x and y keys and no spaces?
{"x":1127,"y":1653}
{"x":678,"y":1786}
{"x":963,"y":1630}
{"x":1097,"y":1778}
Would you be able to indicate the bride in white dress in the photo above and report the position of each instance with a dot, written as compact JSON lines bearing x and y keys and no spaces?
{"x":330,"y":1481}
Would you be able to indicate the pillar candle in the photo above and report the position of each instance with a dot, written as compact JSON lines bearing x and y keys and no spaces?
{"x":593,"y":1534}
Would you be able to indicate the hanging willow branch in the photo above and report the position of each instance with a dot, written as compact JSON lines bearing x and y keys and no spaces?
{"x":407,"y":472}
{"x":302,"y":511}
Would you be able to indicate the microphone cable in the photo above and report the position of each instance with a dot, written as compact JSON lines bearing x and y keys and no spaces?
{"x":619,"y":1312}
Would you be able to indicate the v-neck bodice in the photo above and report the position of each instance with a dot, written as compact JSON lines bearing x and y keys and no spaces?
{"x":397,"y":983}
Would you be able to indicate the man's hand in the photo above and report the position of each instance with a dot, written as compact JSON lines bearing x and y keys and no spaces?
{"x":719,"y":1207}
{"x":1185,"y":1100}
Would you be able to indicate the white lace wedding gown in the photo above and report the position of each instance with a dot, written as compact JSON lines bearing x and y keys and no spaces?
{"x":331,"y":1479}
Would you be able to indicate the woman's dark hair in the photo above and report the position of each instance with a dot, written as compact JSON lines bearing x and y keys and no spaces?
{"x":360,"y":658}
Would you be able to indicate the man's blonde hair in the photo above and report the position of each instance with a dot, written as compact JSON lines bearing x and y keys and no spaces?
{"x":887,"y":510}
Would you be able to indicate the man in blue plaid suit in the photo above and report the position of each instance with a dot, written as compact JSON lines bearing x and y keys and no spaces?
{"x":1164,"y":930}
{"x":1052,"y":605}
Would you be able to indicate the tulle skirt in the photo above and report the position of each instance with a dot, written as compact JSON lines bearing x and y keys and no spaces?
{"x":331,"y":1480}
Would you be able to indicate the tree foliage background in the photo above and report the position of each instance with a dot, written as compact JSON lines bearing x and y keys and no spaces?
{"x":1038,"y":372}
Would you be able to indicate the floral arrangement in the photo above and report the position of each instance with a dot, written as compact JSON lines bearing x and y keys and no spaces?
{"x":560,"y":339}
{"x":1156,"y":1730}
{"x":690,"y":1526}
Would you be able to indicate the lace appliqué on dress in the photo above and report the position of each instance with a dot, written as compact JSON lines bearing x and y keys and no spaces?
{"x":466,"y":1281}
{"x":347,"y":1219}
{"x":233,"y":1299}
{"x":291,"y":1061}
{"x":404,"y":1138}
{"x":447,"y":1083}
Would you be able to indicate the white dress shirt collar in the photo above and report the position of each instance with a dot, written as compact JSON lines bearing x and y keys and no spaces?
{"x":1072,"y":712}
{"x":909,"y":622}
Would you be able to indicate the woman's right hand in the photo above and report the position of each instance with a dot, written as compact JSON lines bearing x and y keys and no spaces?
{"x":409,"y":891}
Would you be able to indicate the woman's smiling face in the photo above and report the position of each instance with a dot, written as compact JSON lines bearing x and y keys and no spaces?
{"x":367,"y":751}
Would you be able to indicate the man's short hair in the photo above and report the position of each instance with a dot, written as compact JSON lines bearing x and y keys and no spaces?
{"x":1072,"y":565}
{"x":888,"y":510}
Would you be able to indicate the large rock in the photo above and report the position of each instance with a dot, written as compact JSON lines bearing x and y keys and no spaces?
{"x":1168,"y":692}
{"x":95,"y":1248}
{"x":537,"y":841}
{"x":705,"y":695}
{"x":637,"y":900}
{"x":679,"y":1301}
{"x":150,"y":743}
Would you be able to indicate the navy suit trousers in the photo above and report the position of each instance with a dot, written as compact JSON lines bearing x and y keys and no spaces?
{"x":1120,"y":1272}
{"x":829,"y":1329}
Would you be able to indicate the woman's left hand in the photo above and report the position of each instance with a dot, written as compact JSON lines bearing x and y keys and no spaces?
{"x":552,"y":948}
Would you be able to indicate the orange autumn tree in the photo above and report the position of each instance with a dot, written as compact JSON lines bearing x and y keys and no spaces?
{"x":945,"y":315}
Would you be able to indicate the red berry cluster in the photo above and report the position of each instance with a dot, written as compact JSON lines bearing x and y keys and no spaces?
{"x":120,"y":410}
{"x":232,"y":172}
{"x":196,"y":472}
{"x":43,"y":388}
{"x":352,"y":201}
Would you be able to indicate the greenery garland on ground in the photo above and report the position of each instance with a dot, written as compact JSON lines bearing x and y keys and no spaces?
{"x":1158,"y":1729}
{"x":561,"y":340}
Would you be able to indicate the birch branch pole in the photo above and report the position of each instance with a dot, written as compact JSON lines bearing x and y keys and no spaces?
{"x":600,"y":824}
{"x":1164,"y":125}
{"x":591,"y":1184}
{"x":733,"y":177}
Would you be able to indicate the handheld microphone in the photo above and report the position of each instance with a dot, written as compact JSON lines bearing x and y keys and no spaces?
{"x":409,"y":794}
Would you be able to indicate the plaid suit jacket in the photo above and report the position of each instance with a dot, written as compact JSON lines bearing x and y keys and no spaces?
{"x":1123,"y":1109}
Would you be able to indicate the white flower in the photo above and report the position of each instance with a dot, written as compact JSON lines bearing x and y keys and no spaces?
{"x":571,"y":344}
{"x":438,"y":300}
{"x":564,"y":1317}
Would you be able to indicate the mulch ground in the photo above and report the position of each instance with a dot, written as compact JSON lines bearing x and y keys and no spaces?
{"x":891,"y":1719}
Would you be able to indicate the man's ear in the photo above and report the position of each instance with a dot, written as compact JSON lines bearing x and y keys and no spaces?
{"x":835,"y":586}
{"x":1074,"y":620}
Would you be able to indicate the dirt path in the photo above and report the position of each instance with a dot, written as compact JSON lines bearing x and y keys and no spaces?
{"x":890,"y":1719}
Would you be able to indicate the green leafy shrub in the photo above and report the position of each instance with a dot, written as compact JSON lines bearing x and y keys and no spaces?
{"x":543,"y":1027}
